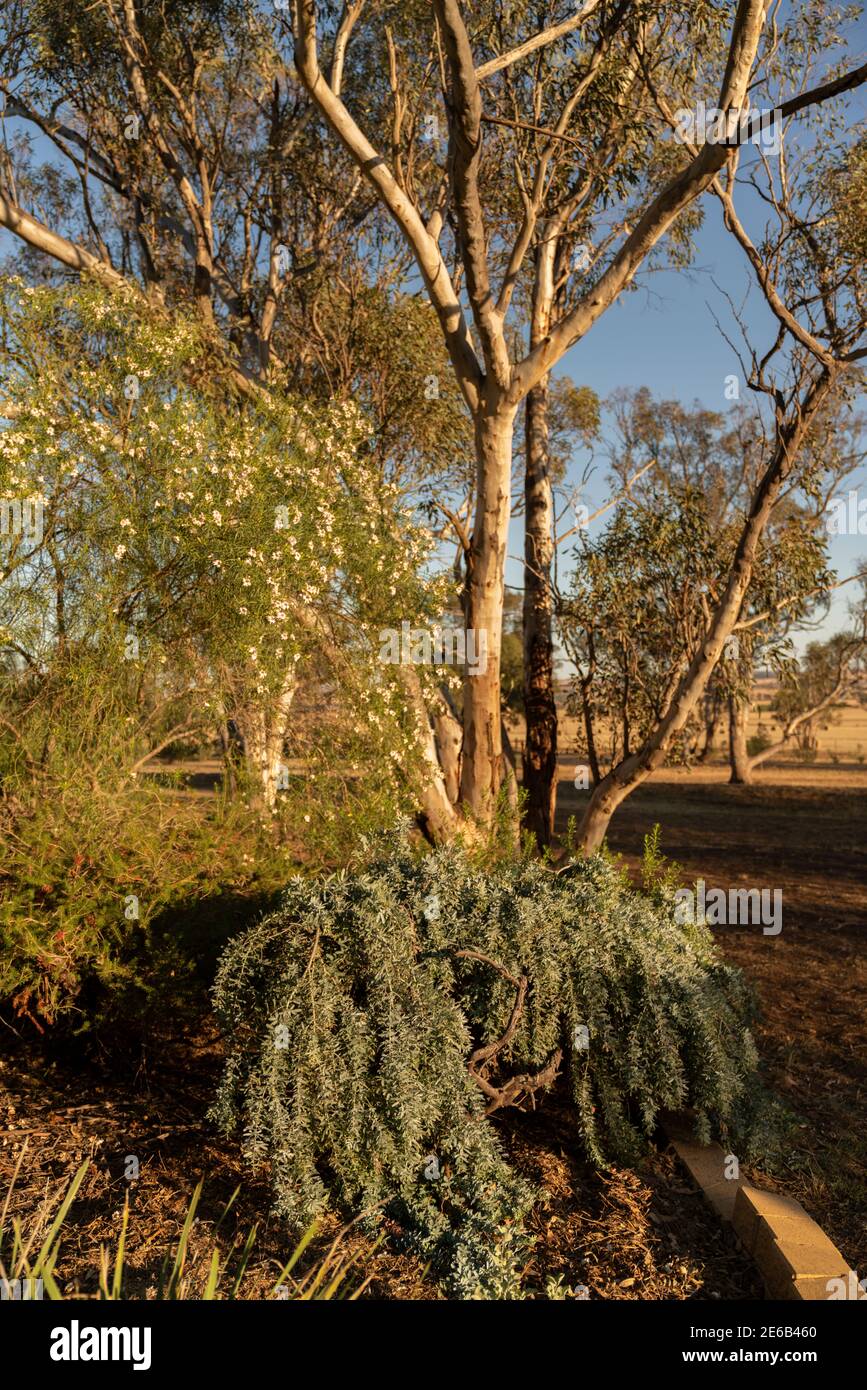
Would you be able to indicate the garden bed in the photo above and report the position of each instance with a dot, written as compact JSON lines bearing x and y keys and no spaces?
{"x":640,"y":1233}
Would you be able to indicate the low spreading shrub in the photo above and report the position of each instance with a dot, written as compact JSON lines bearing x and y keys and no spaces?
{"x":380,"y":1018}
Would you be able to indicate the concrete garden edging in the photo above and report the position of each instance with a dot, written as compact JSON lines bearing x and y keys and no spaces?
{"x":796,"y":1259}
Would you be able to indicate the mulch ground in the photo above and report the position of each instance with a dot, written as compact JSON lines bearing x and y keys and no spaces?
{"x":642,"y":1233}
{"x":625,"y":1234}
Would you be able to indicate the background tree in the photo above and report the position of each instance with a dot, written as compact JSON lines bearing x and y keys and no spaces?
{"x":807,"y":269}
{"x":642,"y":589}
{"x":828,"y":674}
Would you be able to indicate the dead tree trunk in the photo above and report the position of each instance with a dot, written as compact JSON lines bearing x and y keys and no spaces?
{"x":540,"y":749}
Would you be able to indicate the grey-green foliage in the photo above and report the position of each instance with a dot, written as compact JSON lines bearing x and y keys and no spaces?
{"x":350,"y":1020}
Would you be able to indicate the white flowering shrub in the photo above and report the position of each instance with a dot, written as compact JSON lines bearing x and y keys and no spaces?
{"x":201,"y":559}
{"x":379,"y":1019}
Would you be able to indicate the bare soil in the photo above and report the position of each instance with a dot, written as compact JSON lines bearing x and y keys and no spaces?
{"x":625,"y":1234}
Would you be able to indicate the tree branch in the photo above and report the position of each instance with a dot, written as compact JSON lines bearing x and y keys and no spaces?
{"x":664,"y":209}
{"x":376,"y":171}
{"x":465,"y":154}
{"x":546,"y":36}
{"x":68,"y":253}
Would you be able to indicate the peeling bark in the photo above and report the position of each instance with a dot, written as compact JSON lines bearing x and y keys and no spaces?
{"x":482,"y":767}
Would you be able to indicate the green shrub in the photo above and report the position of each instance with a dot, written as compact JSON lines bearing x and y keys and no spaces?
{"x":105,"y":898}
{"x":107,"y":879}
{"x":757,"y":744}
{"x":378,"y":1014}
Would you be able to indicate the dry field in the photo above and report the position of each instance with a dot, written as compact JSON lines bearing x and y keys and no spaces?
{"x":843,"y":733}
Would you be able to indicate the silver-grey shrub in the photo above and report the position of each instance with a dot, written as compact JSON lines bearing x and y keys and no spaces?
{"x":350,"y":1018}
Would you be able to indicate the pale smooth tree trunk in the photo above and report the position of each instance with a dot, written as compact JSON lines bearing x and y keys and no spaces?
{"x":482,"y":764}
{"x":739,"y":760}
{"x":511,"y":794}
{"x":264,"y":726}
{"x":253,"y":726}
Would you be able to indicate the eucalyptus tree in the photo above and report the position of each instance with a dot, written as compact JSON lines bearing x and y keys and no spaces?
{"x":476,"y":63}
{"x":643,"y":589}
{"x":828,"y":674}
